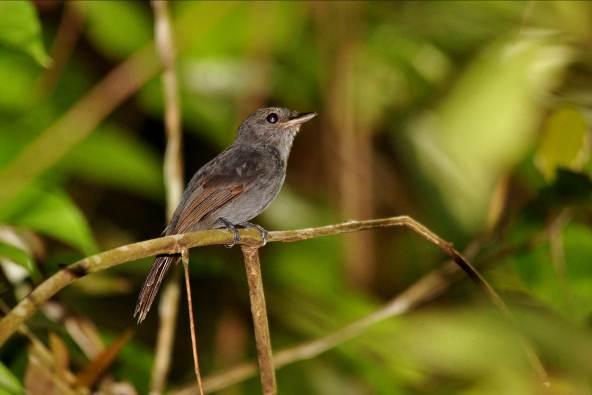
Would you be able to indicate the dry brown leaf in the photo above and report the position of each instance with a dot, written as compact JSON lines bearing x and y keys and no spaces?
{"x":61,"y":356}
{"x":97,"y":367}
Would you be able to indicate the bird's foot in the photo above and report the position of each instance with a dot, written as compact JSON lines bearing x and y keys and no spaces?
{"x":232,"y":228}
{"x":262,"y":231}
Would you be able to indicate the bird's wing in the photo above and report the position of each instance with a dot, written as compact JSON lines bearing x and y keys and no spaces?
{"x":222,"y":180}
{"x":210,"y":197}
{"x":207,"y":199}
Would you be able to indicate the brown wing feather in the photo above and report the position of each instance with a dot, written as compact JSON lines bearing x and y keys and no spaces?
{"x":208,"y":201}
{"x":161,"y":265}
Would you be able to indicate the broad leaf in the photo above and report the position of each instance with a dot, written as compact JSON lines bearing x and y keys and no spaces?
{"x":9,"y":385}
{"x":486,"y":125}
{"x":17,"y":78}
{"x":564,"y":142}
{"x":20,"y":29}
{"x":17,"y":255}
{"x":114,"y":157}
{"x":51,"y":213}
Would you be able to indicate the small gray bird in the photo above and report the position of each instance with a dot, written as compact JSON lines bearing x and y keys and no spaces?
{"x":233,"y":188}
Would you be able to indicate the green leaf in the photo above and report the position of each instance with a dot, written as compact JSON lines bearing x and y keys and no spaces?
{"x":17,"y":255}
{"x":135,"y":364}
{"x":115,"y":157}
{"x":117,"y":28}
{"x":20,"y":28}
{"x":17,"y":78}
{"x":487,"y":124}
{"x":51,"y":213}
{"x":564,"y":285}
{"x":577,"y":241}
{"x":9,"y":384}
{"x":564,"y":142}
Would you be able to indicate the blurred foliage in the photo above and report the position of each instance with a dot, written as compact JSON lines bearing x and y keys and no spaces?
{"x":20,"y":29}
{"x":476,"y":118}
{"x":564,"y":143}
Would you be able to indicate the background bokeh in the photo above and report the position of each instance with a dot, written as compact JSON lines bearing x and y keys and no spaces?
{"x":471,"y":116}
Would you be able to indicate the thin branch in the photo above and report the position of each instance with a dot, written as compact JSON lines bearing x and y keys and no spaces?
{"x":68,"y":32}
{"x":173,"y":178}
{"x":423,"y":290}
{"x":260,"y":323}
{"x":192,"y":322}
{"x":428,"y":287}
{"x":43,"y":356}
{"x":177,"y":243}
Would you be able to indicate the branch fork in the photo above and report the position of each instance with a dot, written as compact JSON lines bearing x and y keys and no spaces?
{"x":177,"y":243}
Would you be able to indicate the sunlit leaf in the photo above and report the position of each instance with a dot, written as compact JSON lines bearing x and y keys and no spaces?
{"x":20,"y":28}
{"x":564,"y":143}
{"x":51,"y":213}
{"x":114,"y":157}
{"x":15,"y":254}
{"x":486,"y":124}
{"x":9,"y":384}
{"x":571,"y":17}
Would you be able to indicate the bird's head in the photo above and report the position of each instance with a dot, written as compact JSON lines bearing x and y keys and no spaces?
{"x":273,"y":125}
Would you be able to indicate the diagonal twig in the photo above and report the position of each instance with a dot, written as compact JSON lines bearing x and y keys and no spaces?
{"x":423,"y":290}
{"x":171,"y":245}
{"x":176,"y":243}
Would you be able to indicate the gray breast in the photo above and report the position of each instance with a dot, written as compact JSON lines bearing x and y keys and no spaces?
{"x":269,"y":175}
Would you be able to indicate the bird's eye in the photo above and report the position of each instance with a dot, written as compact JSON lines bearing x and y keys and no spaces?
{"x":272,"y":118}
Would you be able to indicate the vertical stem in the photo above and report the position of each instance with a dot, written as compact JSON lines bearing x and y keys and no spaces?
{"x":260,"y":323}
{"x":168,"y":309}
{"x":173,"y":178}
{"x":192,"y":323}
{"x":173,"y":160}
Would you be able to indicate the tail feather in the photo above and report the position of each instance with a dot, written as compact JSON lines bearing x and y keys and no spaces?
{"x":159,"y":268}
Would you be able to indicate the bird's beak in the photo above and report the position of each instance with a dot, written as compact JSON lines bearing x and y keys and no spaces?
{"x":299,"y":119}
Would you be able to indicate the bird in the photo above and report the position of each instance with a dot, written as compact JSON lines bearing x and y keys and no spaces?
{"x":231,"y":189}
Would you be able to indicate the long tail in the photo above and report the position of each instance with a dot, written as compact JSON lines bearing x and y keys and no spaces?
{"x":159,"y":268}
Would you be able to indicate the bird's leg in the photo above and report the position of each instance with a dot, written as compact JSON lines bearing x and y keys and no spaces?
{"x":230,"y":227}
{"x":264,"y":233}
